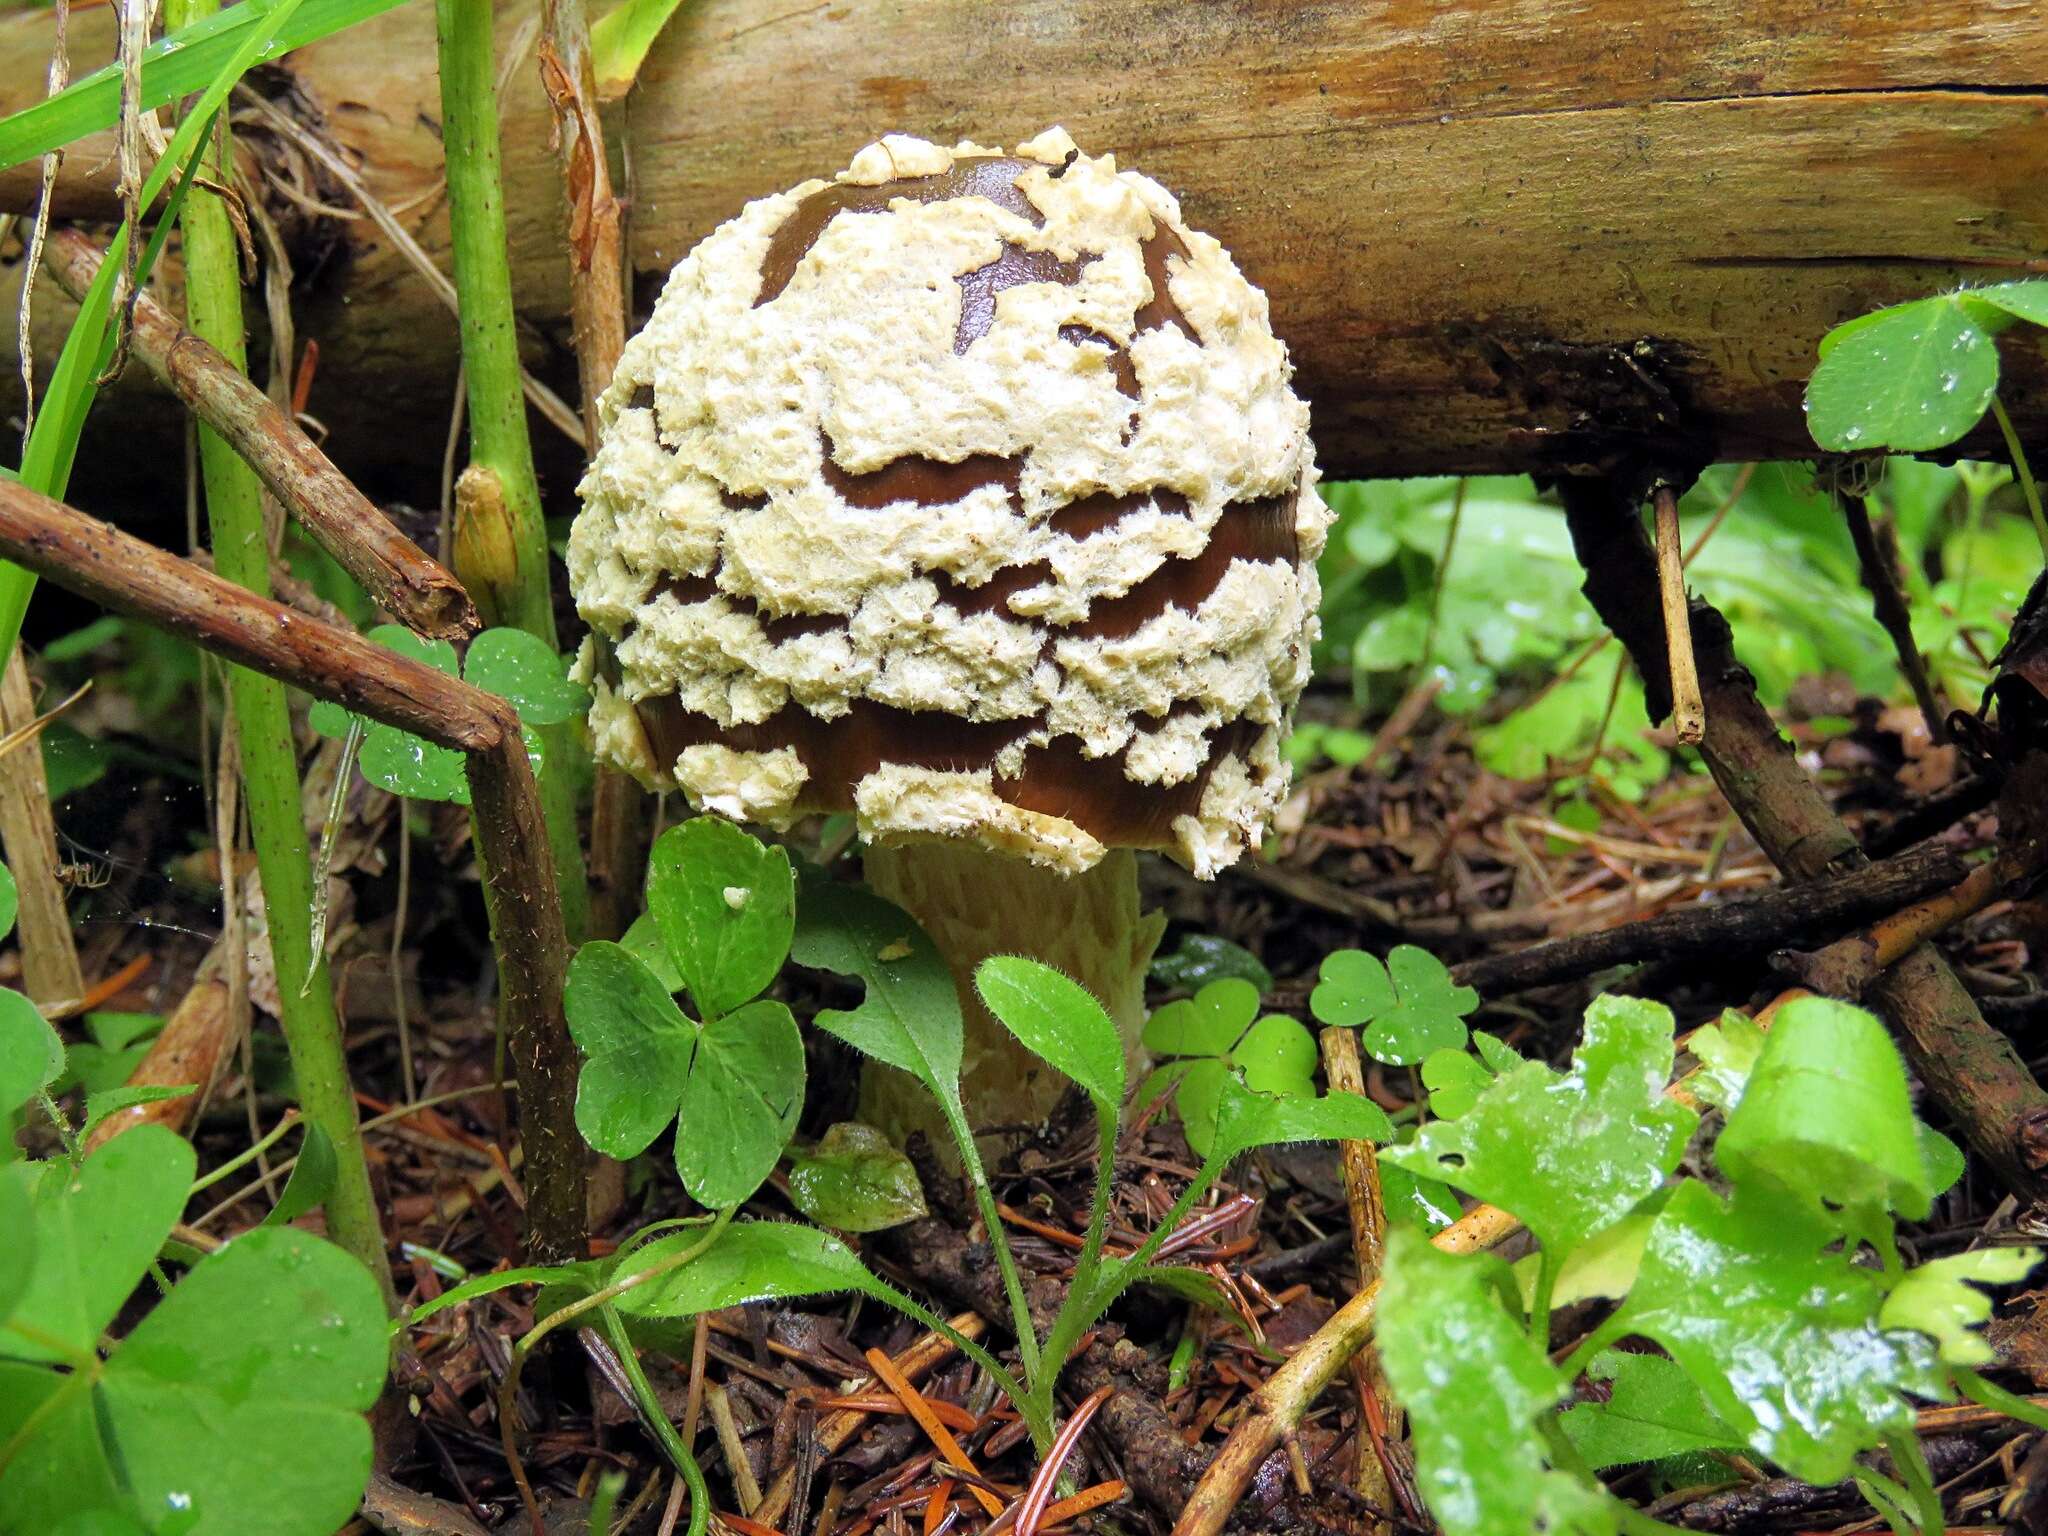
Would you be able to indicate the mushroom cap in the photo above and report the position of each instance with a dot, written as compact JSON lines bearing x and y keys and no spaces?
{"x":966,"y":492}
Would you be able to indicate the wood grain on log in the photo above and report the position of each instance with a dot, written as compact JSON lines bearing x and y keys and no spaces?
{"x":1496,"y":237}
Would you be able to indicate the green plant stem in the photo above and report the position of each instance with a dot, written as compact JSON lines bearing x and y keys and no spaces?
{"x":1539,"y":1304}
{"x":658,"y":1420}
{"x":243,"y":1159}
{"x":998,"y":1240}
{"x":1993,"y":1396}
{"x":1072,"y":1321}
{"x":270,"y":769}
{"x":2023,"y":470}
{"x":498,"y":438}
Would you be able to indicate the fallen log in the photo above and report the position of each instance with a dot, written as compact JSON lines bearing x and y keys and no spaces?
{"x":1494,"y":239}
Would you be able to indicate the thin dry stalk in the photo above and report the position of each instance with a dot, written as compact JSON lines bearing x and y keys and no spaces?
{"x":1688,"y":710}
{"x":49,"y":958}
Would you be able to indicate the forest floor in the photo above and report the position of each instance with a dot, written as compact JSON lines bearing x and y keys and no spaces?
{"x":1416,"y":844}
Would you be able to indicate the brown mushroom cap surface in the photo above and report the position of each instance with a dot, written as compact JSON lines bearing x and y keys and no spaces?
{"x":967,"y":493}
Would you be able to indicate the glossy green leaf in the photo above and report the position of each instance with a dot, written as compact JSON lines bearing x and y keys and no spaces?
{"x":1409,"y":1006}
{"x":312,"y":1178}
{"x":241,"y":1396}
{"x":1059,"y":1021}
{"x":1495,"y":1052}
{"x":1909,"y":379}
{"x":1779,"y":1333}
{"x":1828,"y":1115}
{"x":1474,"y":1387}
{"x":2024,"y":299}
{"x":1246,"y":1119}
{"x":910,"y":1018}
{"x":1201,"y":958}
{"x":1207,"y":1024}
{"x":10,"y":901}
{"x":526,"y":671}
{"x":637,"y":1048}
{"x":752,"y":1261}
{"x":740,"y":1102}
{"x":174,"y":66}
{"x":725,"y":905}
{"x":31,"y":1055}
{"x":643,"y":938}
{"x":1455,"y":1079}
{"x":855,"y":1180}
{"x":97,"y":1229}
{"x":99,"y":1522}
{"x":400,"y":763}
{"x":1945,"y":1162}
{"x":1277,"y":1055}
{"x":1940,"y":1300}
{"x":1569,"y":1153}
{"x":1727,"y":1052}
{"x":1424,"y":1204}
{"x":1653,"y":1412}
{"x":1601,"y":1268}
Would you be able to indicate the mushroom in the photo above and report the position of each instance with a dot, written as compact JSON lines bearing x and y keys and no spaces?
{"x":967,"y":493}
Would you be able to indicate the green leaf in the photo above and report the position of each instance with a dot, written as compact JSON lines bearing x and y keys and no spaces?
{"x":525,"y":670}
{"x":10,"y":901}
{"x":182,"y":62}
{"x":910,"y":1018}
{"x":111,"y":1101}
{"x":619,"y":41}
{"x":1195,"y":1286}
{"x":1498,"y":1055}
{"x":97,"y":1229}
{"x":1827,"y":1114}
{"x":1059,"y":1021}
{"x":329,"y":719}
{"x":725,"y":905}
{"x":1909,"y":379}
{"x":1568,"y":1153}
{"x":753,"y":1261}
{"x":31,"y":1055}
{"x":643,"y":938}
{"x":855,"y":1180}
{"x":312,"y":1179}
{"x":1601,"y":1268}
{"x":1945,"y":1163}
{"x":1653,"y":1412}
{"x":2025,"y":299}
{"x":119,"y":1043}
{"x":1424,"y":1204}
{"x":1198,"y":1098}
{"x":1246,"y":1119}
{"x":1455,"y":1079}
{"x":637,"y":1048}
{"x":740,"y":1102}
{"x":1410,"y":1006}
{"x":1201,"y":958}
{"x":1938,"y":1299}
{"x":1207,"y":1024}
{"x":1474,"y":1387}
{"x":241,"y":1397}
{"x":1727,"y":1054}
{"x":1780,"y":1334}
{"x":401,"y":763}
{"x":1277,"y":1055}
{"x":63,"y":1471}
{"x":18,"y":1221}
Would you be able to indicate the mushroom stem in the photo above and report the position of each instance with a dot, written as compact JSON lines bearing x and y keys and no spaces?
{"x":975,"y":904}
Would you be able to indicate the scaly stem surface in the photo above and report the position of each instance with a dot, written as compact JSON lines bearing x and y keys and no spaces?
{"x":270,"y":769}
{"x":498,"y":440}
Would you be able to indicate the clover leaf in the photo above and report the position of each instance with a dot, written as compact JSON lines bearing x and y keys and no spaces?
{"x":31,"y":1055}
{"x":724,"y":904}
{"x":1409,"y":1005}
{"x":1569,"y":1153}
{"x":1778,"y":1328}
{"x":1938,"y":1299}
{"x":1220,"y":1039}
{"x":518,"y":667}
{"x":1474,"y":1386}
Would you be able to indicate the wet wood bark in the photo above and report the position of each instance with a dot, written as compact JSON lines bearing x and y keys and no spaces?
{"x":1494,"y":238}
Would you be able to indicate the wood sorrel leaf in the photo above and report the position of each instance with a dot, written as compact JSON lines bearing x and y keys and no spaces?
{"x":1474,"y":1386}
{"x":10,"y":901}
{"x":1059,"y":1021}
{"x":725,"y":905}
{"x":526,"y":671}
{"x":1827,"y":1114}
{"x":1780,"y":1334}
{"x":855,"y":1180}
{"x":1938,"y":1299}
{"x":241,"y":1397}
{"x":910,"y":1018}
{"x":1207,"y":1024}
{"x":740,"y":1102}
{"x":97,"y":1229}
{"x":1908,"y":379}
{"x":31,"y":1055}
{"x":1653,"y":1412}
{"x":1569,"y":1153}
{"x":643,"y":938}
{"x":1409,"y":1007}
{"x":18,"y":1221}
{"x":1277,"y":1055}
{"x":636,"y":1044}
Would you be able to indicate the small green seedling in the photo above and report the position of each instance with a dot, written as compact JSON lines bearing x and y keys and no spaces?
{"x":516,"y":666}
{"x":1789,"y":1328}
{"x":1218,"y":1036}
{"x":1408,"y":1006}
